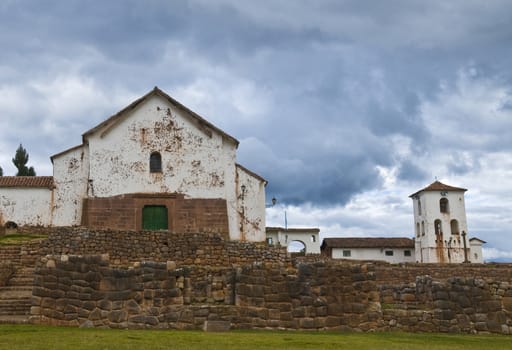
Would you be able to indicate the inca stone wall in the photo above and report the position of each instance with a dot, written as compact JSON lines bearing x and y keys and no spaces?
{"x":87,"y":291}
{"x":127,"y":247}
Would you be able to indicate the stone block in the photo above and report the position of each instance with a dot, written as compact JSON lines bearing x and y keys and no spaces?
{"x":507,"y":303}
{"x":117,"y":316}
{"x":216,"y":326}
{"x":307,"y":323}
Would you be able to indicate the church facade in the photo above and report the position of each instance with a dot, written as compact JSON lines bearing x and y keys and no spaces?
{"x":153,"y":165}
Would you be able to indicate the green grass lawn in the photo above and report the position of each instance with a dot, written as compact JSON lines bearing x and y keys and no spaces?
{"x":19,"y":238}
{"x":42,"y":337}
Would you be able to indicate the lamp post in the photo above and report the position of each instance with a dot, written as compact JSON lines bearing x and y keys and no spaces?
{"x":274,"y":201}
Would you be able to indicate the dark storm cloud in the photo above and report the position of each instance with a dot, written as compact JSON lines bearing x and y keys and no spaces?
{"x":332,"y":84}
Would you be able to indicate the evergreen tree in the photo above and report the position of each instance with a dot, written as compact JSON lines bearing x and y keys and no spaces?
{"x":1,"y":171}
{"x":20,"y":160}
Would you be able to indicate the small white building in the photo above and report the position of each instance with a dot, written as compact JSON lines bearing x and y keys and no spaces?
{"x":475,"y":248}
{"x":393,"y":250}
{"x":309,"y":237}
{"x":441,"y":227}
{"x":155,"y":164}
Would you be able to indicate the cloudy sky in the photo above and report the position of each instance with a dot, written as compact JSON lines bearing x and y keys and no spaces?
{"x":346,"y":107}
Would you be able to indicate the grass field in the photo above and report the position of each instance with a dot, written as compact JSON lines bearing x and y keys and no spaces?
{"x":40,"y":337}
{"x":19,"y":239}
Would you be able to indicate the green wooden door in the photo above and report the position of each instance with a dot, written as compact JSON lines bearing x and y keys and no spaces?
{"x":154,"y":217}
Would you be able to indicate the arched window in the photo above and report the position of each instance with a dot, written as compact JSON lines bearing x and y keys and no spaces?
{"x":443,"y":205}
{"x":454,"y":225}
{"x":438,"y":228}
{"x":423,"y":228}
{"x":155,"y":163}
{"x":417,"y":229}
{"x":419,"y":207}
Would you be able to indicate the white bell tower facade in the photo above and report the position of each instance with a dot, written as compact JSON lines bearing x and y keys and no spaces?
{"x":440,"y":225}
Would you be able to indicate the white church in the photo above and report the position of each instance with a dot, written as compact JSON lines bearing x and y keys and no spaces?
{"x":154,"y":165}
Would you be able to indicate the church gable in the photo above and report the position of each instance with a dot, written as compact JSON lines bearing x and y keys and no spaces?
{"x":173,"y":107}
{"x":157,"y":145}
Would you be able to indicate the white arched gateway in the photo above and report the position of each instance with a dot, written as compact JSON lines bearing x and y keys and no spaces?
{"x":309,"y":237}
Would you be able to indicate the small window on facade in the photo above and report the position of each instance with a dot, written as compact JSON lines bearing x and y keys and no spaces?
{"x":454,"y":225}
{"x":389,"y":253}
{"x":407,"y":253}
{"x":438,"y":228}
{"x":155,"y":163}
{"x":313,"y":238}
{"x":443,"y":205}
{"x":419,"y":207}
{"x":269,"y":240}
{"x":417,"y":229}
{"x":346,"y":253}
{"x":423,"y":228}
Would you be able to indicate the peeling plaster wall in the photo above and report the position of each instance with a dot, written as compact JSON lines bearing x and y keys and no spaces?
{"x":70,"y":171}
{"x":193,"y":159}
{"x":250,"y":206}
{"x":26,"y":206}
{"x":451,"y":248}
{"x":197,"y":162}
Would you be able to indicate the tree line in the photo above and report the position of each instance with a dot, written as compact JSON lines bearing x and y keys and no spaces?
{"x":20,"y":161}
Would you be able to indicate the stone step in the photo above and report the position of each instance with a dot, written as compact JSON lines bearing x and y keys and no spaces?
{"x":14,"y":319}
{"x":15,"y":307}
{"x":21,"y":281}
{"x":15,"y":292}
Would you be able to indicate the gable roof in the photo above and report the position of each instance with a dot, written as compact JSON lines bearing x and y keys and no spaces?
{"x":368,"y":242}
{"x":439,"y":186}
{"x":27,"y":181}
{"x":65,"y":151}
{"x":253,"y":174}
{"x":114,"y":119}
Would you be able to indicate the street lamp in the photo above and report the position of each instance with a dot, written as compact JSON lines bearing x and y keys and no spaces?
{"x":274,"y":201}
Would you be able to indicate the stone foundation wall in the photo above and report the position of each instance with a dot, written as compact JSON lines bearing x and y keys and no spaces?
{"x":127,"y":247}
{"x":87,"y":291}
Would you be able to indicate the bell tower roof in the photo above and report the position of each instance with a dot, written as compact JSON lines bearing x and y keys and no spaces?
{"x":438,"y":186}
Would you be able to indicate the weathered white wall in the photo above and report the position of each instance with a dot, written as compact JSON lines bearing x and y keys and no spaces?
{"x":70,"y":170}
{"x":26,"y":206}
{"x":375,"y":254}
{"x":194,"y":158}
{"x":196,"y":161}
{"x":476,"y":254}
{"x":427,"y":249}
{"x":250,"y":211}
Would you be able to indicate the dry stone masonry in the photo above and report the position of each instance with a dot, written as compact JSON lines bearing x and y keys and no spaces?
{"x":162,"y":280}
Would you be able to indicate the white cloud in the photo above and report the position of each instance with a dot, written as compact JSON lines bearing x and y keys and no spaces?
{"x":491,"y":254}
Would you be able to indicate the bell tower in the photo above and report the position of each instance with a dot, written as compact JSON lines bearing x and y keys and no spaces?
{"x":440,"y":224}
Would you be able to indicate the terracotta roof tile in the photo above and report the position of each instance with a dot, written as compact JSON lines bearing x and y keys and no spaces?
{"x":27,"y":181}
{"x":368,"y":242}
{"x":439,"y":186}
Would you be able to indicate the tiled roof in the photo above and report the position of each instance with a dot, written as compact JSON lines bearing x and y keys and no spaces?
{"x":439,"y":186}
{"x":368,"y":242}
{"x":27,"y":181}
{"x":291,"y":230}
